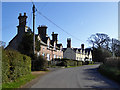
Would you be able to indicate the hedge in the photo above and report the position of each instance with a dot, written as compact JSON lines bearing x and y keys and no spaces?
{"x":112,"y":61}
{"x":14,"y":65}
{"x":39,"y":64}
{"x":67,"y":62}
{"x":87,"y":62}
{"x":110,"y":72}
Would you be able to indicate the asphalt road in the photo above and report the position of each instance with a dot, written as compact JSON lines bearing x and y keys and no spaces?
{"x":77,"y":77}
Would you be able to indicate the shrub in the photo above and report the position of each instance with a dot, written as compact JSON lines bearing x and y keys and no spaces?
{"x":79,"y":63}
{"x":110,"y":72}
{"x":40,"y":64}
{"x":100,"y":54}
{"x":112,"y":61}
{"x":14,"y":65}
{"x":69,"y":63}
{"x":63,"y":63}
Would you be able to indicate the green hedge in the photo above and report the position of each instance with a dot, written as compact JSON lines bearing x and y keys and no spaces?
{"x":40,"y":63}
{"x":69,"y":63}
{"x":110,"y":72}
{"x":14,"y":65}
{"x":113,"y":62}
{"x":87,"y":62}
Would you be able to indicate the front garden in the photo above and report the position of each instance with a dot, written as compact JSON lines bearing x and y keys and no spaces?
{"x":68,"y":63}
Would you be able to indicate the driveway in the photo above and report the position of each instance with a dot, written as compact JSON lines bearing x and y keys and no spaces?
{"x":78,"y":77}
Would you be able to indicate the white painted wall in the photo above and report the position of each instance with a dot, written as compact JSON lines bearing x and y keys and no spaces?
{"x":69,"y":54}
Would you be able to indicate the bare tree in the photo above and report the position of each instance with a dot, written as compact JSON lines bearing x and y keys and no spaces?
{"x":99,"y":40}
{"x":115,"y":47}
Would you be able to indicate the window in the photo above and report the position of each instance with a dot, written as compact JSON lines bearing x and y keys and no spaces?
{"x":48,"y":57}
{"x":38,"y":54}
{"x":54,"y":56}
{"x":54,"y":46}
{"x":77,"y":58}
{"x":48,"y":43}
{"x":43,"y":54}
{"x":61,"y":48}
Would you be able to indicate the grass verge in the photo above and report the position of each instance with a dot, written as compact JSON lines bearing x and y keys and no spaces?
{"x":19,"y":82}
{"x":73,"y":66}
{"x":110,"y":72}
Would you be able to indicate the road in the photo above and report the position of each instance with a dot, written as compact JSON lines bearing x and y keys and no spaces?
{"x":78,"y":77}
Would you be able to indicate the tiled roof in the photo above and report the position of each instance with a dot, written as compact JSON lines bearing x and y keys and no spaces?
{"x":58,"y":45}
{"x":87,"y":50}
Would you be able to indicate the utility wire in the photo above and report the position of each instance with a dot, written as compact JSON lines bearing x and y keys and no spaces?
{"x":58,"y":26}
{"x":55,"y":24}
{"x":32,"y":2}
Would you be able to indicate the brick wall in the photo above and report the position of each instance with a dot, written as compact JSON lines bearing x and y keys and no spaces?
{"x":45,"y":51}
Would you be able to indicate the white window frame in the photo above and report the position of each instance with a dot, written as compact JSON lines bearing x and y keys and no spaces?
{"x":54,"y":46}
{"x":43,"y":54}
{"x":48,"y":57}
{"x":48,"y":43}
{"x":54,"y":56}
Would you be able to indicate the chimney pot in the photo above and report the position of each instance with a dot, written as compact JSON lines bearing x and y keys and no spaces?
{"x":82,"y":46}
{"x":24,"y":14}
{"x":42,"y":31}
{"x":68,"y":42}
{"x":20,"y":14}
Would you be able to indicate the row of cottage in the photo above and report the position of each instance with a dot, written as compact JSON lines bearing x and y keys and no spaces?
{"x":50,"y":48}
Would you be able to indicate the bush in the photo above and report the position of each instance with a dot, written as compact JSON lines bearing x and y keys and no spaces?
{"x":88,"y":62}
{"x":100,"y":54}
{"x":69,"y":63}
{"x":112,"y":61}
{"x":40,"y":63}
{"x":110,"y":72}
{"x":14,"y":65}
{"x":79,"y":63}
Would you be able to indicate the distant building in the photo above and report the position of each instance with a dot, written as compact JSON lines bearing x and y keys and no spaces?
{"x":79,"y":54}
{"x":50,"y":49}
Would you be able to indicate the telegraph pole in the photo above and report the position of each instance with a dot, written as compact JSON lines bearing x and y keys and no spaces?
{"x":33,"y":29}
{"x":113,"y":48}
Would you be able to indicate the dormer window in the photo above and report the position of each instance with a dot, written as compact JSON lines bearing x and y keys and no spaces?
{"x":54,"y":46}
{"x":77,"y":51}
{"x":54,"y":56}
{"x":61,"y":48}
{"x":48,"y":43}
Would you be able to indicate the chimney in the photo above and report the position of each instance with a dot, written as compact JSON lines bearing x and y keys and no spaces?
{"x":68,"y":42}
{"x":54,"y":37}
{"x":22,"y":19}
{"x":42,"y":31}
{"x":20,"y":14}
{"x":82,"y":46}
{"x":22,"y":24}
{"x":24,"y":14}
